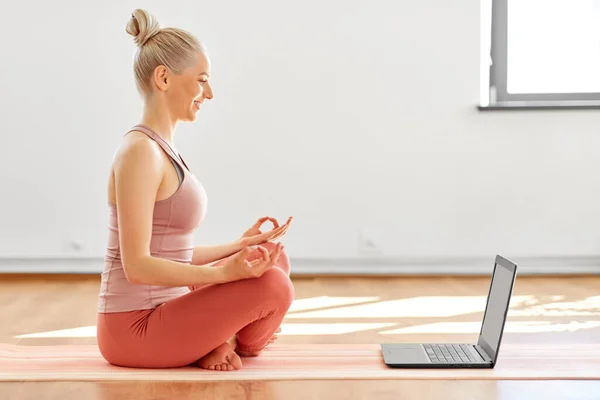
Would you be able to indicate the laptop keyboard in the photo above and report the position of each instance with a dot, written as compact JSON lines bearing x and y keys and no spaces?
{"x":449,"y":353}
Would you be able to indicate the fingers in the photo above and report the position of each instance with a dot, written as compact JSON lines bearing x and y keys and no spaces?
{"x":258,"y":266}
{"x":265,"y":253}
{"x":252,"y":266}
{"x":254,"y":254}
{"x":280,"y":229}
{"x":278,"y":252}
{"x":245,"y":252}
{"x":276,"y":232}
{"x":275,"y":253}
{"x":285,"y":226}
{"x":279,"y":233}
{"x":262,"y":220}
{"x":288,"y":223}
{"x":274,"y":222}
{"x":269,"y":235}
{"x":261,"y":265}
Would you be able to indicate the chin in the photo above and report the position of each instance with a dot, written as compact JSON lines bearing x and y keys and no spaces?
{"x":191,"y":117}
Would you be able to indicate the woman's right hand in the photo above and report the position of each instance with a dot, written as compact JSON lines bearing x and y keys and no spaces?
{"x":239,"y":266}
{"x":255,"y":236}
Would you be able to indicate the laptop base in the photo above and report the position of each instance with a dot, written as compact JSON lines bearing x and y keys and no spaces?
{"x":414,"y":355}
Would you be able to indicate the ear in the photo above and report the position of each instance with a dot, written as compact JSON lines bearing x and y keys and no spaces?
{"x":161,"y":78}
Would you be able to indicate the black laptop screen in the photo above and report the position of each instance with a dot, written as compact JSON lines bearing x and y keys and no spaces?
{"x":496,"y":310}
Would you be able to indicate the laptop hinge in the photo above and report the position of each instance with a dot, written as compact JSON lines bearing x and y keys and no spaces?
{"x":482,"y":353}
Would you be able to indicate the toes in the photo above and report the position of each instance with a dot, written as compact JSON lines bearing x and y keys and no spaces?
{"x":235,"y":361}
{"x":221,"y":367}
{"x":221,"y":359}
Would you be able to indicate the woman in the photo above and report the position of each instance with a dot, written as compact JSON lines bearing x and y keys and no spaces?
{"x":164,"y":302}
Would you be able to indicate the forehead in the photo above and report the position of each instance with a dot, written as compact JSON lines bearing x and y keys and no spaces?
{"x":202,"y":64}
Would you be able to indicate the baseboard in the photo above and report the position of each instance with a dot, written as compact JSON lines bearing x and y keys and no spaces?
{"x":304,"y":266}
{"x":447,"y":266}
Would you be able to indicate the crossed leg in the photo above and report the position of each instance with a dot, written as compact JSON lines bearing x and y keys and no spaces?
{"x":226,"y":356}
{"x":185,"y":330}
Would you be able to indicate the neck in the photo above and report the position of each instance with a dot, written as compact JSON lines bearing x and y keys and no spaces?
{"x":156,"y":116}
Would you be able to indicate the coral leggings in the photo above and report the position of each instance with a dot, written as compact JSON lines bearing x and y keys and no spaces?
{"x":183,"y":330}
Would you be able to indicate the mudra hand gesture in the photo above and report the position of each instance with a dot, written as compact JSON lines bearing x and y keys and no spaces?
{"x":246,"y":264}
{"x":254,"y":236}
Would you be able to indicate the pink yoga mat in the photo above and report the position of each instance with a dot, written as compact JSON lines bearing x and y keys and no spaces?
{"x":301,"y":361}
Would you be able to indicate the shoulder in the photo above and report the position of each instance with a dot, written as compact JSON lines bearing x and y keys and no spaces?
{"x":138,"y":149}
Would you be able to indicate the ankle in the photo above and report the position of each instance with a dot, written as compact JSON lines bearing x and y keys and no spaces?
{"x":232,"y":341}
{"x":247,"y":352}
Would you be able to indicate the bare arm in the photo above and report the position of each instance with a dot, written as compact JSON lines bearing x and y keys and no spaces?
{"x":252,"y":237}
{"x":209,"y":254}
{"x":138,"y":171}
{"x":163,"y":272}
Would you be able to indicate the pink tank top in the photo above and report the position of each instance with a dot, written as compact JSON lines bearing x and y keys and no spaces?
{"x":174,"y":221}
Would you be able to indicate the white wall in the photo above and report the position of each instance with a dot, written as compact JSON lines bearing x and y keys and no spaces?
{"x":351,"y":116}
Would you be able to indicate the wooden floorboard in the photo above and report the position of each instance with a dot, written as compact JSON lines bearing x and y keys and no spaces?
{"x":563,"y":309}
{"x":304,"y":390}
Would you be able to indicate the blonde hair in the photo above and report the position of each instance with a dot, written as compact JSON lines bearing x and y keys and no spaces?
{"x":172,"y":47}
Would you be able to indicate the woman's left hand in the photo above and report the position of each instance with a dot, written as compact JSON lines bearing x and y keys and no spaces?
{"x":254,"y":236}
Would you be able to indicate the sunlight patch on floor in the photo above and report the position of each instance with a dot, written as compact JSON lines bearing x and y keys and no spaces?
{"x":286,"y":329}
{"x":81,"y":332}
{"x":330,"y":329}
{"x":312,"y":303}
{"x":586,"y":307}
{"x":424,"y":306}
{"x":414,"y":307}
{"x":511,"y":327}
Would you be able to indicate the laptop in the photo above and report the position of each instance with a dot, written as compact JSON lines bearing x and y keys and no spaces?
{"x":459,"y":355}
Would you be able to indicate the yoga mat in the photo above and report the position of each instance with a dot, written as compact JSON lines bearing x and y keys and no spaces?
{"x":300,"y":361}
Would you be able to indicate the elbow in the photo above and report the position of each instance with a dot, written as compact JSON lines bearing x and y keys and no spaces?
{"x":132,"y":272}
{"x":131,"y":276}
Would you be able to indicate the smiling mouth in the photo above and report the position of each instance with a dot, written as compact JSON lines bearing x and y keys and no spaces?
{"x":197,"y":103}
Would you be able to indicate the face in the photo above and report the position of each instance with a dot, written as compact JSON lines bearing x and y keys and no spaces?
{"x":185,"y":93}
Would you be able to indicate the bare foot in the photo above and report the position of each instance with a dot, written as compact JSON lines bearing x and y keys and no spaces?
{"x":256,"y":353}
{"x":248,"y":353}
{"x":274,"y":337}
{"x":223,"y":358}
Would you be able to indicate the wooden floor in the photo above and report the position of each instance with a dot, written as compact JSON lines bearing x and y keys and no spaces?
{"x":57,"y":309}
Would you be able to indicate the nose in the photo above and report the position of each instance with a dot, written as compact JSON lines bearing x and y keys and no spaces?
{"x":208,"y":93}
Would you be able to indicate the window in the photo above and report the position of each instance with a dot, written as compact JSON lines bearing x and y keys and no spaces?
{"x":542,"y":53}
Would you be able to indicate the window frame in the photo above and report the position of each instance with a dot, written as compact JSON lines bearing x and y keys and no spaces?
{"x":496,"y":61}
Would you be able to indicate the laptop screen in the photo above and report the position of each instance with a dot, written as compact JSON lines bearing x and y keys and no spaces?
{"x":497,"y":307}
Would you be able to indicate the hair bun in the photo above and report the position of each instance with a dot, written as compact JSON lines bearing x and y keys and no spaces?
{"x":142,"y":26}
